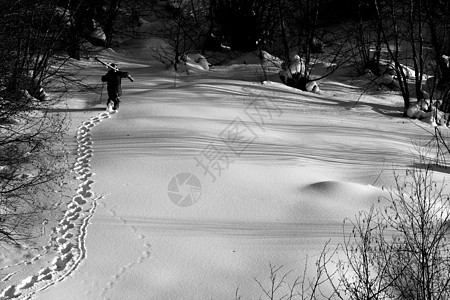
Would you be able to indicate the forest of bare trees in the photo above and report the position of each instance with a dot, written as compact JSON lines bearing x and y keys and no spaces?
{"x":32,"y":156}
{"x":382,"y":36}
{"x":375,"y":35}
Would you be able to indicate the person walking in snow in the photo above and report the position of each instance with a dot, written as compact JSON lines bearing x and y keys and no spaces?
{"x":113,"y":80}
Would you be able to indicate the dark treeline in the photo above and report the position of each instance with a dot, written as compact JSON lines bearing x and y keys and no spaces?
{"x":282,"y":27}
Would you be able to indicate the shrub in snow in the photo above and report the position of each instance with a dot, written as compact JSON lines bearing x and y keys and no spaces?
{"x":295,"y":75}
{"x":418,"y":110}
{"x":297,"y":66}
{"x":409,"y":73}
{"x":199,"y":60}
{"x":427,"y":112}
{"x":194,"y":62}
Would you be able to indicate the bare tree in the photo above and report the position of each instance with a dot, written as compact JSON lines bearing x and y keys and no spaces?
{"x":409,"y":30}
{"x":184,"y":26}
{"x":366,"y":38}
{"x":285,"y":285}
{"x":362,"y":272}
{"x":418,"y":212}
{"x":398,"y":250}
{"x":32,"y":156}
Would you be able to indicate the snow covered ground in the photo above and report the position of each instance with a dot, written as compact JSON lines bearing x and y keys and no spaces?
{"x":201,"y":180}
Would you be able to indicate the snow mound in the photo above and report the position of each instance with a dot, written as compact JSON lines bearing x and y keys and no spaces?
{"x":335,"y":200}
{"x":334,"y":189}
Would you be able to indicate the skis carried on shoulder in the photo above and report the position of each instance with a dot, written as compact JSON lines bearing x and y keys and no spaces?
{"x":110,"y":66}
{"x":107,"y":65}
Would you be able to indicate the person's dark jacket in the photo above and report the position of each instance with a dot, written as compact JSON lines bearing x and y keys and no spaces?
{"x":114,"y":82}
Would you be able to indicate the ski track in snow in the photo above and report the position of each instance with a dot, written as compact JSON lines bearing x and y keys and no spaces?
{"x":68,"y":236}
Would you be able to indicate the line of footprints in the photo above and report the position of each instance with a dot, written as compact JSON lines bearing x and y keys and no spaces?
{"x":68,"y":237}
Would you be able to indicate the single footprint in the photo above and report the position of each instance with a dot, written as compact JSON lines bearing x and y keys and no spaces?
{"x":68,"y":235}
{"x":60,"y":263}
{"x":64,"y":249}
{"x":61,"y":240}
{"x":44,"y":274}
{"x":86,"y":194}
{"x":9,"y":293}
{"x":73,"y":205}
{"x":27,"y":282}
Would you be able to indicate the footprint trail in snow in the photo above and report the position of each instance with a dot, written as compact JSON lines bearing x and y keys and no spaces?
{"x":65,"y":249}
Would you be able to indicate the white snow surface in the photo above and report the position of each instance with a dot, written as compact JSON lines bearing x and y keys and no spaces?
{"x":279,"y":171}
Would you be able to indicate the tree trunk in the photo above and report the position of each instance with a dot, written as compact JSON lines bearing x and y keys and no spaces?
{"x":110,"y":19}
{"x":283,"y":32}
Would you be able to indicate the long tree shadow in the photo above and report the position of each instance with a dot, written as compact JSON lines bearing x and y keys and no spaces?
{"x":387,"y":110}
{"x":435,"y":167}
{"x":76,"y":109}
{"x":394,"y":110}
